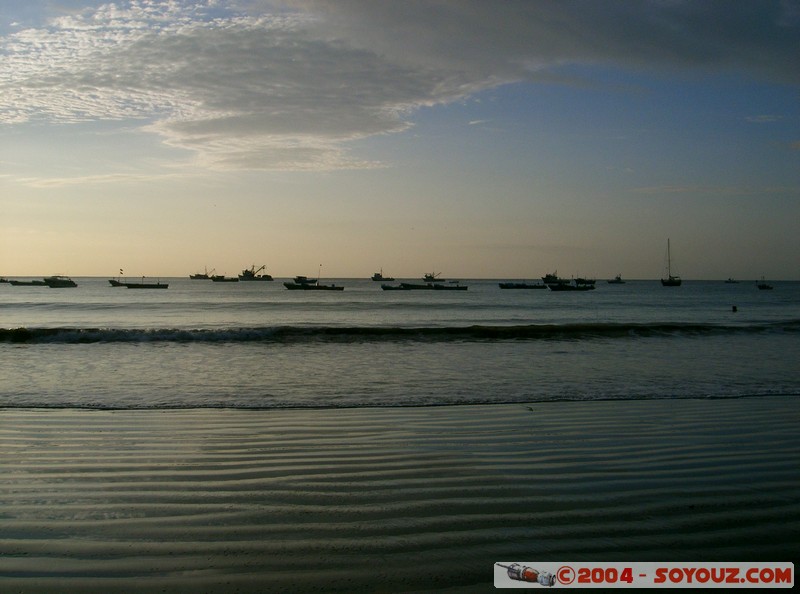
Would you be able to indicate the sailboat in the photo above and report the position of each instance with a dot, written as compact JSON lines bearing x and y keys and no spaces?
{"x":672,"y":280}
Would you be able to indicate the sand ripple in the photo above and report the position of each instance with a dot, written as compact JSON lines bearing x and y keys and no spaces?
{"x":386,"y":500}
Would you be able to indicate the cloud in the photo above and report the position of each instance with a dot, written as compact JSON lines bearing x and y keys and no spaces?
{"x":287,"y":85}
{"x":764,"y":119}
{"x":694,"y":190}
{"x":112,"y":178}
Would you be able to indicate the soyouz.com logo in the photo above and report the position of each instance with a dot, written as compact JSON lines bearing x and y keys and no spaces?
{"x":532,"y":574}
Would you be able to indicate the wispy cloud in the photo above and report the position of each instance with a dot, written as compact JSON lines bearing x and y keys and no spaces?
{"x":764,"y":119}
{"x":287,"y":85}
{"x":87,"y":180}
{"x":697,"y":190}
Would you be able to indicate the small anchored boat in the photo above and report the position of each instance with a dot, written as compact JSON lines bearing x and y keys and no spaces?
{"x":59,"y":282}
{"x":251,"y":274}
{"x":511,"y":285}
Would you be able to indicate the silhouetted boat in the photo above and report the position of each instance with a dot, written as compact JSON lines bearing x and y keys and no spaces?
{"x":570,"y":287}
{"x":115,"y":282}
{"x":144,"y":285}
{"x":304,"y":280}
{"x":731,"y":281}
{"x":251,"y":274}
{"x":763,"y":285}
{"x":552,"y":278}
{"x":585,"y":281}
{"x":218,"y":278}
{"x":451,"y":286}
{"x":617,"y":280}
{"x":522,"y":286}
{"x":378,"y":276}
{"x":59,"y":282}
{"x":312,"y":286}
{"x":672,"y":280}
{"x":32,"y":283}
{"x":201,"y":275}
{"x":432,"y":277}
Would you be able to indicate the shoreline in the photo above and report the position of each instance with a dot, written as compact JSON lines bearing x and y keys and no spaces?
{"x":398,"y":499}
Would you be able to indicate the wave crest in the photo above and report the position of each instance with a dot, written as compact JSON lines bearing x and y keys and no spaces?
{"x":294,"y":334}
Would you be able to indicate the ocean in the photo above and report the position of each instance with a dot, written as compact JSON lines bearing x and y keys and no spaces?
{"x":257,"y":345}
{"x":240,"y":437}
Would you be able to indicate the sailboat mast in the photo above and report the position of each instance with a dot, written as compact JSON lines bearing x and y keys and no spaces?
{"x":669,"y":261}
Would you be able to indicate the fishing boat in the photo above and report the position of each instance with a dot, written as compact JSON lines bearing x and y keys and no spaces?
{"x":451,"y":286}
{"x":32,"y":283}
{"x":552,"y":278}
{"x":510,"y":285}
{"x":201,"y":275}
{"x":219,"y":278}
{"x":312,"y":286}
{"x":59,"y":282}
{"x":144,"y":285}
{"x":251,"y":274}
{"x":672,"y":280}
{"x":585,"y":281}
{"x":617,"y":280}
{"x":304,"y":280}
{"x":763,"y":285}
{"x":117,"y":282}
{"x":432,"y":277}
{"x":378,"y":276}
{"x":567,"y":286}
{"x":731,"y":281}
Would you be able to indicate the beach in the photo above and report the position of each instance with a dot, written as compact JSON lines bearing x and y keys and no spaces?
{"x":388,"y":499}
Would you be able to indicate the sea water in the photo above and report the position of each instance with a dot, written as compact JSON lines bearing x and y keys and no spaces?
{"x":200,"y":344}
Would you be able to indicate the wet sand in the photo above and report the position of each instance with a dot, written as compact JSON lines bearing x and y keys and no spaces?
{"x":388,"y":500}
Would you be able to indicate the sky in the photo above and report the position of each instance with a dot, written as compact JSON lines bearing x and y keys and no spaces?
{"x":472,"y":138}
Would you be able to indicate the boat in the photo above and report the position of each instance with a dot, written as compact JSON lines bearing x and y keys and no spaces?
{"x":201,"y":275}
{"x":731,"y":281}
{"x":144,"y":285}
{"x":400,"y":287}
{"x":59,"y":282}
{"x":432,"y":277}
{"x":378,"y":276}
{"x":219,"y":278}
{"x":32,"y":283}
{"x":552,"y":278}
{"x":304,"y":280}
{"x":523,"y":285}
{"x":763,"y":285}
{"x":617,"y":280}
{"x":251,"y":274}
{"x":451,"y":286}
{"x":567,"y":286}
{"x":672,"y":280}
{"x":585,"y":281}
{"x":116,"y":282}
{"x":311,"y":286}
{"x":416,"y":286}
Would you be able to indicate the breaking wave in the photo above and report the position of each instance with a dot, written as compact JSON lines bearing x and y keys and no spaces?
{"x":299,"y":334}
